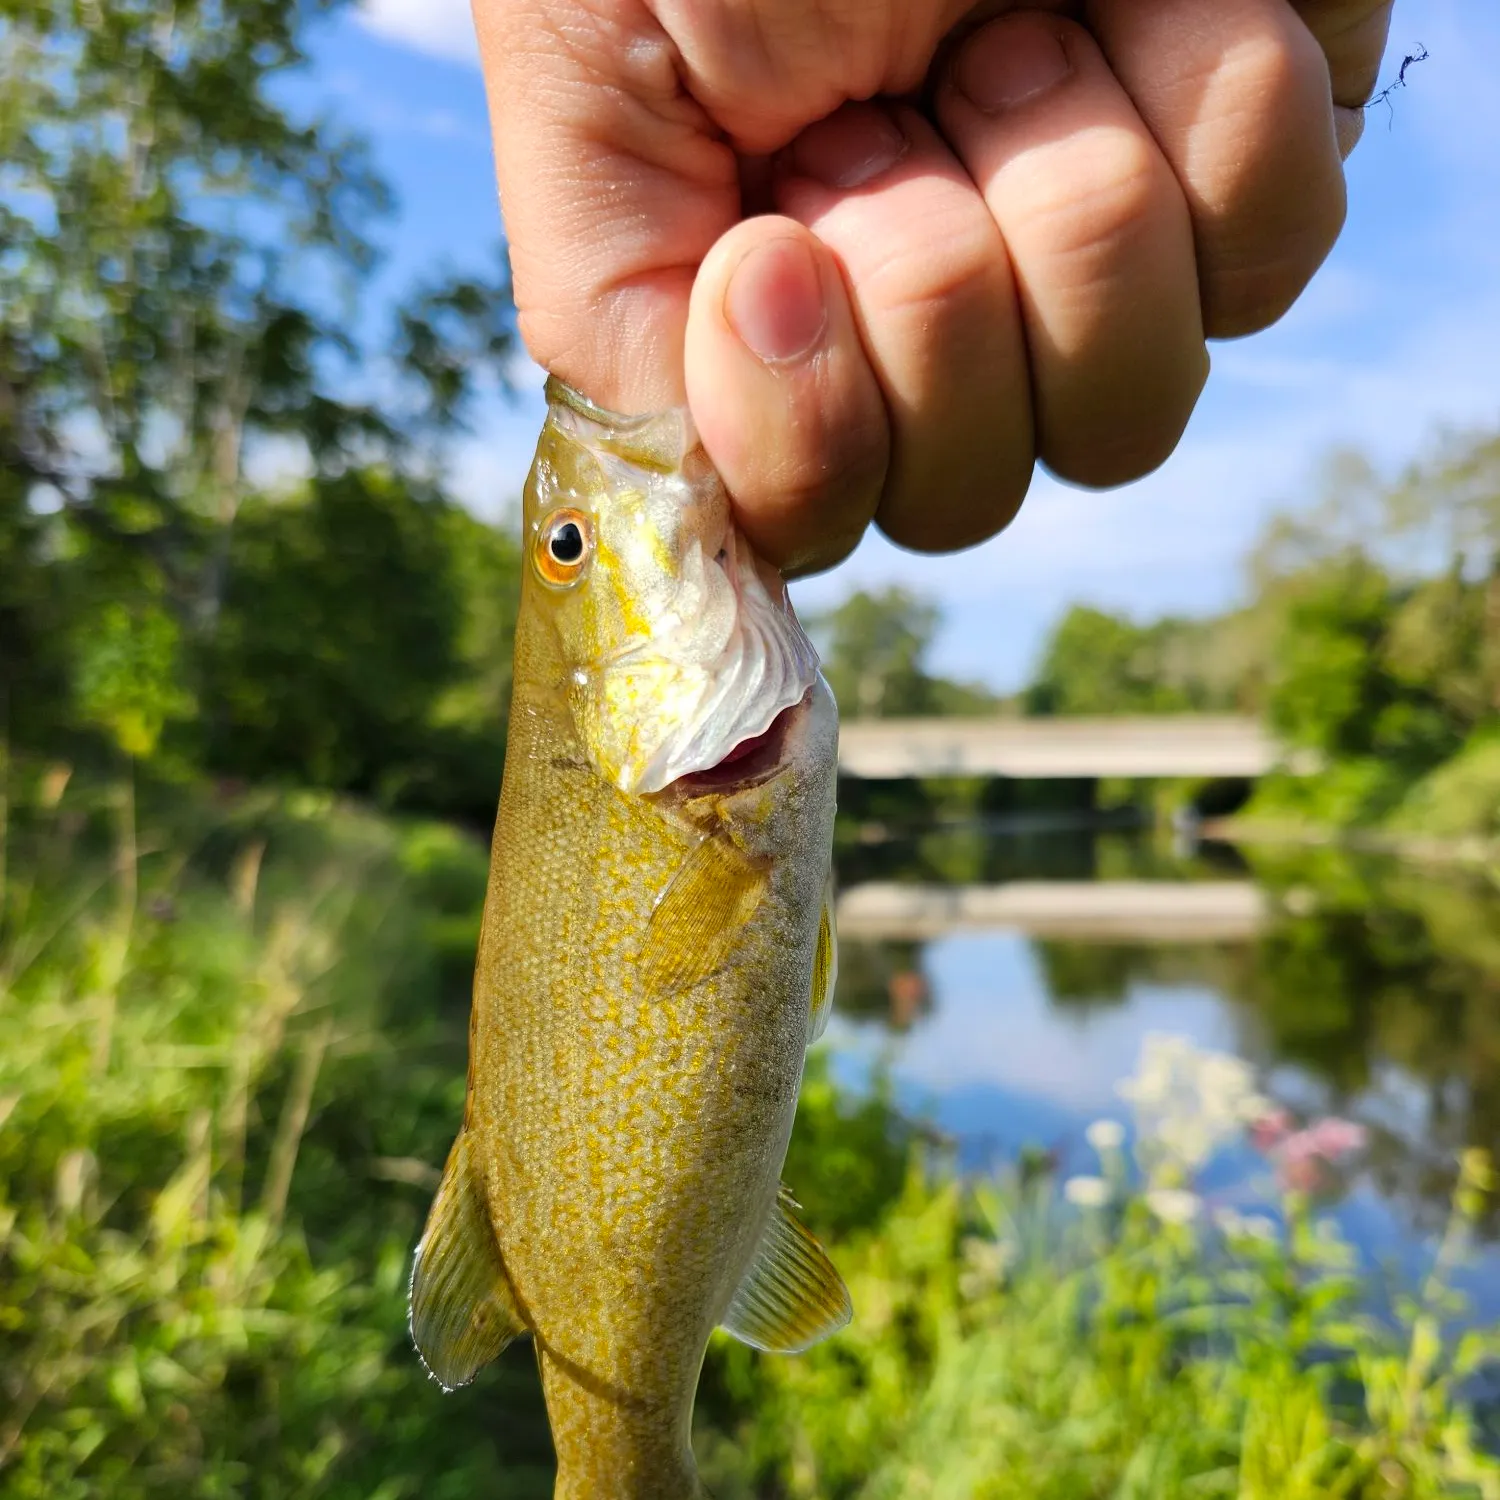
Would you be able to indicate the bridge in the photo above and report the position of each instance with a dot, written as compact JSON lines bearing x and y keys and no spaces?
{"x":1169,"y":745}
{"x":1120,"y":911}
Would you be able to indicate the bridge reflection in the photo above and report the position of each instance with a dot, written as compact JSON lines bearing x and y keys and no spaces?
{"x":1113,"y":911}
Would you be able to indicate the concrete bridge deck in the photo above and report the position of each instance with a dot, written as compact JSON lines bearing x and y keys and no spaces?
{"x":1189,"y":745}
{"x":1119,"y":911}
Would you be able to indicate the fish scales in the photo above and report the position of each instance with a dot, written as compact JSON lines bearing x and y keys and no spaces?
{"x":644,"y":986}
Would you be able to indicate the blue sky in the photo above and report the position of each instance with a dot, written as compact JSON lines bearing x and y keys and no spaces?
{"x":1398,"y":337}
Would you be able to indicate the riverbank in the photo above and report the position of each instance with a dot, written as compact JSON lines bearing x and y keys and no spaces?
{"x":232,"y":1056}
{"x":1472,"y":852}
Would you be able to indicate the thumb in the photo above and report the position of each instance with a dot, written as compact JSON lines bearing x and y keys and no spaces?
{"x":614,"y":185}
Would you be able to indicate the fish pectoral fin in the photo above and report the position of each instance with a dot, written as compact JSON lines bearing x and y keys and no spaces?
{"x":699,"y":915}
{"x":463,"y":1312}
{"x":791,"y":1296}
{"x":825,"y":972}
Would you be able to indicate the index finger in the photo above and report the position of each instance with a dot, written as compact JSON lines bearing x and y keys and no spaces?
{"x":614,"y":187}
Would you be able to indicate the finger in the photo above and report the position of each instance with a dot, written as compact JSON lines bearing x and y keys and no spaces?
{"x":614,"y":186}
{"x":1099,"y":238}
{"x":935,"y":302}
{"x":1352,"y":34}
{"x":1238,"y":95}
{"x":783,"y":395}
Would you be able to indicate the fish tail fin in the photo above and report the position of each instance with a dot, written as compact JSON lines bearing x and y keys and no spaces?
{"x":463,"y":1312}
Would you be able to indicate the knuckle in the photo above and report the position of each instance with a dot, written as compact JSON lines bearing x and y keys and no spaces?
{"x":1281,"y":68}
{"x":946,"y":272}
{"x":1136,"y":433}
{"x":967,"y":516}
{"x":1116,"y":185}
{"x":1280,"y":214}
{"x":1110,"y":460}
{"x":1247,"y":292}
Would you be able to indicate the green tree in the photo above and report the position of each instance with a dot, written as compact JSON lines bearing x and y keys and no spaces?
{"x":875,"y":653}
{"x":1100,"y":663}
{"x":364,"y":645}
{"x":181,"y":254}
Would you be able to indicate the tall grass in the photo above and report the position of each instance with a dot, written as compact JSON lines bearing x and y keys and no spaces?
{"x":231,"y":1058}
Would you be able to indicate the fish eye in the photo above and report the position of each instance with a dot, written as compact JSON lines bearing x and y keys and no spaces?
{"x":561,"y":550}
{"x":566,"y":543}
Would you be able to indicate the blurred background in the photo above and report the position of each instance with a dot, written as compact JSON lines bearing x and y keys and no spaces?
{"x":1154,"y":1128}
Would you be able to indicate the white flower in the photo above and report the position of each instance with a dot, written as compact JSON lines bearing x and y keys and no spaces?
{"x":1105,"y":1136}
{"x":1234,"y":1225}
{"x":1086,"y":1192}
{"x":1174,"y":1205}
{"x":1255,"y":1107}
{"x":1188,"y":1104}
{"x":1230,"y":1222}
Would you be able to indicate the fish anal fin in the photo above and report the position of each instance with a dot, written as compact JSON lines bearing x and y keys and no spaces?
{"x":699,"y":915}
{"x":791,"y":1297}
{"x":463,"y":1312}
{"x":825,"y":971}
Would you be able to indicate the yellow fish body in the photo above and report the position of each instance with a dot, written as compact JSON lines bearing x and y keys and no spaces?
{"x":657,"y":951}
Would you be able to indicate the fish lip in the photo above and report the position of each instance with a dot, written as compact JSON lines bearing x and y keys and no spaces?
{"x":749,"y":763}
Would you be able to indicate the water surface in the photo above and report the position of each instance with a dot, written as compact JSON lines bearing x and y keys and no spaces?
{"x":1023,"y":971}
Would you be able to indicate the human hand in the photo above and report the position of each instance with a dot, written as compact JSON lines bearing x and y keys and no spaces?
{"x":892,"y":310}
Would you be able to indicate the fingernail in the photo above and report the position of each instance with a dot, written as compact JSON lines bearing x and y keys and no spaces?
{"x":1004,"y":66}
{"x":775,"y":301}
{"x":849,"y":148}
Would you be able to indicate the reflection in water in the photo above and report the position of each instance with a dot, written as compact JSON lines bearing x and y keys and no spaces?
{"x":1372,"y":990}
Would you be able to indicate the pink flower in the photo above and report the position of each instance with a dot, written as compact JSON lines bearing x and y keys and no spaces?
{"x":1270,"y":1129}
{"x":1303,"y":1157}
{"x":1334,"y":1139}
{"x":1301,"y":1174}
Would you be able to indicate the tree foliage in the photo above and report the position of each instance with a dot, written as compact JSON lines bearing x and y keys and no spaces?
{"x":1100,"y":663}
{"x":1372,"y":637}
{"x":875,"y":650}
{"x":182,"y":255}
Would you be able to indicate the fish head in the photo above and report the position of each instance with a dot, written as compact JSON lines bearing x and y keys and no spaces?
{"x":679,"y":645}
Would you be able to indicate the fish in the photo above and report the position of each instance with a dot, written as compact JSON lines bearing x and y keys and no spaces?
{"x":657,"y":950}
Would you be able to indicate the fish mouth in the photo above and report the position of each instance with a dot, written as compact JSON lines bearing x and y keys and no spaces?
{"x":750,"y":762}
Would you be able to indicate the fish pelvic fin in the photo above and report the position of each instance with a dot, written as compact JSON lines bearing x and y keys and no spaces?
{"x":791,"y":1297}
{"x":463,"y":1312}
{"x":825,"y":973}
{"x":699,"y":915}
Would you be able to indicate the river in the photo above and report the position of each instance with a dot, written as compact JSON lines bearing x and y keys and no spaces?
{"x":1008,"y":976}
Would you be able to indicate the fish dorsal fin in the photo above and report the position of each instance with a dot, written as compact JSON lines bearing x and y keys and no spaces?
{"x":791,"y":1296}
{"x":463,"y":1312}
{"x":825,"y":972}
{"x":699,"y":915}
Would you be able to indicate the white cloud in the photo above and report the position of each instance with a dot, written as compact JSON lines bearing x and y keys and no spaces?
{"x":442,"y":27}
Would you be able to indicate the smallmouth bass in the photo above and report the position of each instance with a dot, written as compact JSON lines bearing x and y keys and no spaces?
{"x":657,"y":951}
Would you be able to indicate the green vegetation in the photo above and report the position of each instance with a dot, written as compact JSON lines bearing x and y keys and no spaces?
{"x":1372,"y":641}
{"x":875,"y":648}
{"x":229,"y":1067}
{"x":1098,"y":663}
{"x":1004,"y":1353}
{"x":183,"y":257}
